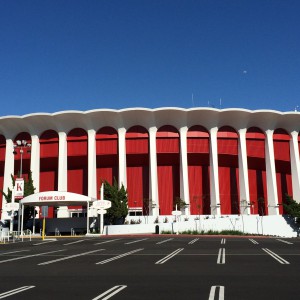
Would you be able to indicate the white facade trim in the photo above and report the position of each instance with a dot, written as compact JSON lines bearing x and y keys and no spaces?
{"x":295,"y":165}
{"x":271,"y":174}
{"x":184,"y":178}
{"x":243,"y":173}
{"x":92,"y":165}
{"x":215,"y":204}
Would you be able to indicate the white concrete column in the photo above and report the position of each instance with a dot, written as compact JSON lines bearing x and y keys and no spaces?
{"x":214,"y":173}
{"x":184,"y":179}
{"x":8,"y":171}
{"x":243,"y":174}
{"x":153,"y":172}
{"x":295,"y":165}
{"x":271,"y":174}
{"x":92,"y":174}
{"x":122,"y":157}
{"x":35,"y":162}
{"x":62,"y":162}
{"x":62,"y":171}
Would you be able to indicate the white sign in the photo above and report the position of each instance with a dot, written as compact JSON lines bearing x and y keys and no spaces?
{"x":176,"y":213}
{"x":12,"y":206}
{"x":19,"y":188}
{"x":102,"y":204}
{"x":101,"y":211}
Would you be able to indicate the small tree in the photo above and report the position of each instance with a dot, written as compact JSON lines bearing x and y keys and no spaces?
{"x":28,"y":190}
{"x":180,"y":203}
{"x":292,"y":208}
{"x":119,"y":202}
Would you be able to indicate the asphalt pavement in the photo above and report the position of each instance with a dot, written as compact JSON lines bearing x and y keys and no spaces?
{"x":151,"y":267}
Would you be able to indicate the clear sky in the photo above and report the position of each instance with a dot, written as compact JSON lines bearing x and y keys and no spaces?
{"x":87,"y":54}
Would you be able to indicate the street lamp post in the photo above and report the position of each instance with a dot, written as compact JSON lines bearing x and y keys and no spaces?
{"x":20,"y":145}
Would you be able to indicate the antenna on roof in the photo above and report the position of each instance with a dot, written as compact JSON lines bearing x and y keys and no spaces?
{"x":220,"y":103}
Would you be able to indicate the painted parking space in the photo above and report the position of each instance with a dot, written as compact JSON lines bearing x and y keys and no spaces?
{"x":190,"y":262}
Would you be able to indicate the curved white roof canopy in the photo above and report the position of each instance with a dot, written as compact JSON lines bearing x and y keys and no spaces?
{"x":54,"y":198}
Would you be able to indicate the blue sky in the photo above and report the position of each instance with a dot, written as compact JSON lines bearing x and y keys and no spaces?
{"x":79,"y":55}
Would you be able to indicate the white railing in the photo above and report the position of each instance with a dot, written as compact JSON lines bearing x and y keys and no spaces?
{"x":6,"y":235}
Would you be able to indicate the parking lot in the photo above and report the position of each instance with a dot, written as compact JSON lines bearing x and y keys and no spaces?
{"x":151,"y":267}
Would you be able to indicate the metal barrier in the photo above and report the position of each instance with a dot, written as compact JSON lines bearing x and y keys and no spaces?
{"x":4,"y":235}
{"x":15,"y":235}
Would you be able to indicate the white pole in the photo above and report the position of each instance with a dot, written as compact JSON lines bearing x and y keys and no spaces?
{"x":102,"y":192}
{"x":33,"y":224}
{"x":101,"y":223}
{"x":87,"y":217}
{"x":11,"y":227}
{"x":22,"y":219}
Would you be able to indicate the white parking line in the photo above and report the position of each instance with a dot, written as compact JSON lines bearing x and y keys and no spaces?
{"x":28,"y":256}
{"x":253,"y":241}
{"x":67,"y":257}
{"x":212,"y":293}
{"x":136,"y":241}
{"x":193,"y":241}
{"x":286,"y":242}
{"x":117,"y":257}
{"x":111,"y":292}
{"x":223,"y":241}
{"x":276,"y":256}
{"x":164,"y":241}
{"x":45,"y":242}
{"x":169,"y":256}
{"x":16,"y":291}
{"x":104,"y":242}
{"x":221,"y":256}
{"x":13,"y":252}
{"x":73,"y":242}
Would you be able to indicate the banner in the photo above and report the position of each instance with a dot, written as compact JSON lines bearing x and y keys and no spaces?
{"x":19,"y":188}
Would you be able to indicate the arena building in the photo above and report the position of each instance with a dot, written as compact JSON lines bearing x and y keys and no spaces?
{"x":220,"y":162}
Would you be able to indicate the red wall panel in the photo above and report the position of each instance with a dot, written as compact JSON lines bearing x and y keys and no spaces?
{"x":282,"y":165}
{"x":168,"y":187}
{"x":49,"y":145}
{"x":77,"y":145}
{"x":198,"y":170}
{"x":137,"y":160}
{"x":137,"y":185}
{"x":48,"y":182}
{"x":134,"y":145}
{"x":228,"y":146}
{"x":258,"y":189}
{"x":282,"y":150}
{"x":255,"y":148}
{"x":199,"y":189}
{"x":198,"y":145}
{"x":107,"y":158}
{"x":167,"y":145}
{"x":229,"y":190}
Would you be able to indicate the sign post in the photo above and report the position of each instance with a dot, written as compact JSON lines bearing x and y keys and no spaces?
{"x":176,"y":213}
{"x":44,"y":215}
{"x":18,"y":193}
{"x":101,"y":206}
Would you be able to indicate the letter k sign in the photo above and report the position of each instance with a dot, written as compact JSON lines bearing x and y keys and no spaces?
{"x":19,"y":187}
